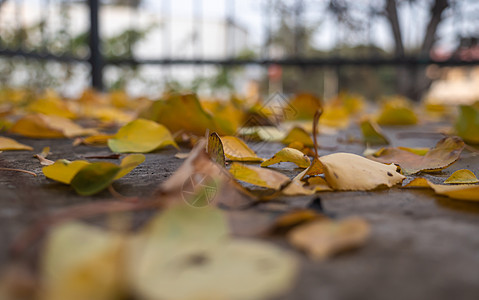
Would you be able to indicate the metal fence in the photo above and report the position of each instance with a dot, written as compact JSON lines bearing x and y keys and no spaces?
{"x":96,"y":59}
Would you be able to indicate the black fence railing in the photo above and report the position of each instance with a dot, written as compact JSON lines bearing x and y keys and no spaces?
{"x":97,"y":60}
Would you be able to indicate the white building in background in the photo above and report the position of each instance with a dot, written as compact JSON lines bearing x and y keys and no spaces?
{"x":168,"y":37}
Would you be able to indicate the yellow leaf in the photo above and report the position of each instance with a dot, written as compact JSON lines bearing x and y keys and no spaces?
{"x":51,"y":105}
{"x":236,"y":150}
{"x":98,"y":139}
{"x":418,"y":151}
{"x":346,"y":171}
{"x":469,"y":192}
{"x":335,"y":116}
{"x":11,"y":144}
{"x":141,"y":136}
{"x":444,"y":154}
{"x":82,"y":262}
{"x":298,"y":134}
{"x":461,"y":177}
{"x":323,"y":239}
{"x":372,"y":133}
{"x":397,"y":111}
{"x":63,"y":170}
{"x":43,"y":126}
{"x":467,"y":123}
{"x":128,"y":163}
{"x":288,"y":155}
{"x":258,"y":176}
{"x":183,"y":112}
{"x":42,"y":157}
{"x":305,"y":105}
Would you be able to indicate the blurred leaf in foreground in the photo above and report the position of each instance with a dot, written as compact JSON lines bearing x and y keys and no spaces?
{"x":185,"y":253}
{"x":324,"y":238}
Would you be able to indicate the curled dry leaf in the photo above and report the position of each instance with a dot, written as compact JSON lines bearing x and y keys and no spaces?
{"x":43,"y":126}
{"x":216,"y":150}
{"x":236,"y":150}
{"x":323,"y":239}
{"x":346,"y":171}
{"x":462,"y":177}
{"x":42,"y":157}
{"x":199,"y":165}
{"x":10,"y":144}
{"x":141,"y":136}
{"x":444,"y":154}
{"x":259,"y":176}
{"x":372,"y":133}
{"x":188,"y":247}
{"x":468,"y":192}
{"x":288,"y":155}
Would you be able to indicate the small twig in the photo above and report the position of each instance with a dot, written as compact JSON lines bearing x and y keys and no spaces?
{"x":18,"y":170}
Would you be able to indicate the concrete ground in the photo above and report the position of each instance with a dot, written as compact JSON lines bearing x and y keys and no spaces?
{"x":422,"y":246}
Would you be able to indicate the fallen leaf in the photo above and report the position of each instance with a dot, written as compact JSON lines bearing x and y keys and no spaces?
{"x":288,"y":220}
{"x":42,"y":157}
{"x":11,"y":144}
{"x":467,"y":124}
{"x":288,"y":155}
{"x":372,"y":133}
{"x":227,"y":191}
{"x":444,"y":154}
{"x":335,"y":116}
{"x":347,"y":171}
{"x":182,"y":155}
{"x":216,"y":150}
{"x":141,"y":136}
{"x":468,"y":192}
{"x":236,"y":150}
{"x":82,"y":262}
{"x":418,"y":151}
{"x":43,"y":126}
{"x":196,"y":253}
{"x":95,"y":177}
{"x":323,"y":239}
{"x":462,"y":177}
{"x":397,"y":111}
{"x":107,"y":156}
{"x":89,"y":178}
{"x":183,"y":112}
{"x":298,"y":134}
{"x":51,"y":105}
{"x":98,"y":139}
{"x":304,"y":104}
{"x":259,"y":176}
{"x":63,"y":170}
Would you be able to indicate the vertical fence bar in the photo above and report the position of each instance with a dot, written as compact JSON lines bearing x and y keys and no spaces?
{"x":95,"y":59}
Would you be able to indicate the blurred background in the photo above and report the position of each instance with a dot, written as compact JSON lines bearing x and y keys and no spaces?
{"x":416,"y":48}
